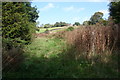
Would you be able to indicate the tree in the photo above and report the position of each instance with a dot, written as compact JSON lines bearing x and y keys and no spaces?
{"x":86,"y":23}
{"x":96,"y":17}
{"x":76,"y":23}
{"x":103,"y":22}
{"x":60,"y":24}
{"x":114,"y":8}
{"x":47,"y":25}
{"x":18,"y":22}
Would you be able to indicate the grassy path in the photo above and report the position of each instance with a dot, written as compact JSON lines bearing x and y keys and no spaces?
{"x":46,"y":58}
{"x":46,"y":46}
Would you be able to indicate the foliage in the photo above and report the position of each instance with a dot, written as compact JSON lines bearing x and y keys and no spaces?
{"x":70,"y":29}
{"x":47,"y":25}
{"x":90,"y":40}
{"x":96,"y":17}
{"x":76,"y":23}
{"x":60,"y":24}
{"x":103,"y":22}
{"x":47,"y":31}
{"x":37,"y":29}
{"x":86,"y":23}
{"x":114,"y":8}
{"x":49,"y":58}
{"x":18,"y":20}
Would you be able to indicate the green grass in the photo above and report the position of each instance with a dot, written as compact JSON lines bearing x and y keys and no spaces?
{"x":43,"y":29}
{"x":44,"y":45}
{"x":47,"y":58}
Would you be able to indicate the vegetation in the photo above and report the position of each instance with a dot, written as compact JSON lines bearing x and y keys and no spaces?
{"x":47,"y":31}
{"x":51,"y":57}
{"x":42,"y":30}
{"x":115,"y":11}
{"x":96,"y":17}
{"x":48,"y":26}
{"x":70,"y":29}
{"x":19,"y":20}
{"x":18,"y":26}
{"x":86,"y":23}
{"x":90,"y":51}
{"x":60,"y":24}
{"x":37,"y":29}
{"x":76,"y":23}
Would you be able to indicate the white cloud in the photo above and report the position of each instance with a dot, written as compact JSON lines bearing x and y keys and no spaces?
{"x":72,"y":8}
{"x":104,"y":11}
{"x":48,"y":6}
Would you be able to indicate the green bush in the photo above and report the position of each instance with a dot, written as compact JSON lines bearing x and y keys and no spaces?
{"x":18,"y":22}
{"x":37,"y":29}
{"x":47,"y":31}
{"x":114,"y":8}
{"x":70,"y":29}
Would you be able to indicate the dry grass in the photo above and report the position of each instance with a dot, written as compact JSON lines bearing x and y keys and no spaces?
{"x":92,"y":41}
{"x":11,"y":59}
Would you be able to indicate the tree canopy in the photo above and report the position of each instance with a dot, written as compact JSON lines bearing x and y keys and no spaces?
{"x":76,"y":23}
{"x":60,"y":24}
{"x":18,"y":20}
{"x":114,"y":8}
{"x":47,"y":25}
{"x":86,"y":23}
{"x":96,"y":17}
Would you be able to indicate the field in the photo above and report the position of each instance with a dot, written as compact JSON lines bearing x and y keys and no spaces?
{"x":41,"y":30}
{"x":54,"y":29}
{"x":60,"y":40}
{"x":50,"y":57}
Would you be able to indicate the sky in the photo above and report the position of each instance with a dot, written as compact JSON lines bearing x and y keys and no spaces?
{"x":69,"y":12}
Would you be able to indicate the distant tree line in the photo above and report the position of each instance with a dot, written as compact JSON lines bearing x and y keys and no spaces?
{"x":96,"y":18}
{"x":76,"y":24}
{"x":60,"y":24}
{"x":57,"y":24}
{"x":114,"y":9}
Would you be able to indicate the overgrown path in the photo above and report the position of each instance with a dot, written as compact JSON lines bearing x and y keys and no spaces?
{"x":47,"y":57}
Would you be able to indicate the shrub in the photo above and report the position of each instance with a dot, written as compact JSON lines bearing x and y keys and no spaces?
{"x":70,"y":29}
{"x":92,"y":41}
{"x":60,"y":34}
{"x":37,"y":29}
{"x":47,"y":31}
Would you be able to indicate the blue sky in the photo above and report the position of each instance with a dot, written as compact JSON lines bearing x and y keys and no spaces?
{"x":70,"y":12}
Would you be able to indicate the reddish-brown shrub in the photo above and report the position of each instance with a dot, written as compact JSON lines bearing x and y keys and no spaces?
{"x":92,"y":40}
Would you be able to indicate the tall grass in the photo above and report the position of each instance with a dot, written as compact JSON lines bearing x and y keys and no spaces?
{"x":93,"y":41}
{"x":91,"y":51}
